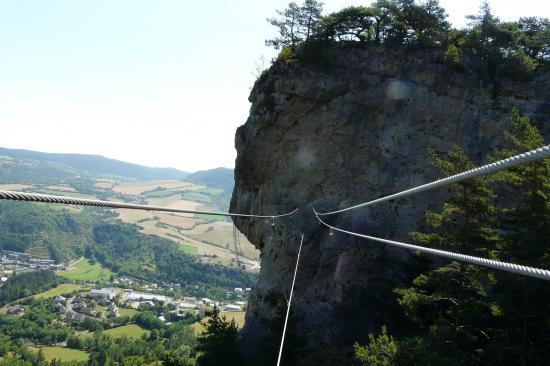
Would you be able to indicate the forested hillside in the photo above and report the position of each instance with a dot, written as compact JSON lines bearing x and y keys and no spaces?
{"x":100,"y":236}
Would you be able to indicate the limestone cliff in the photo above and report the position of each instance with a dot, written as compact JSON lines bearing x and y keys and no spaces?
{"x":351,"y":129}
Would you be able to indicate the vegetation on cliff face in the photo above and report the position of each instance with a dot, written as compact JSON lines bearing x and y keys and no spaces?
{"x":490,"y":47}
{"x":469,"y":315}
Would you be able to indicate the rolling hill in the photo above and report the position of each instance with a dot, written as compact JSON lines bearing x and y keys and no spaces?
{"x":26,"y":166}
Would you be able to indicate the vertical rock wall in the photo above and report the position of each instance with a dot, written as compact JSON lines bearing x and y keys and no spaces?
{"x":332,"y":135}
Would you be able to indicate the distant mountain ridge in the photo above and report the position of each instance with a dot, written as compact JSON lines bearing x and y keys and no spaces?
{"x":218,"y":178}
{"x":32,"y":166}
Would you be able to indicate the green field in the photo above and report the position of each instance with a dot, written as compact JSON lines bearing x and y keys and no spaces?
{"x":65,"y":354}
{"x":237,"y":316}
{"x":64,"y":288}
{"x":85,"y":271}
{"x":127,"y":312}
{"x":189,"y":249}
{"x":130,"y":330}
{"x":196,"y":197}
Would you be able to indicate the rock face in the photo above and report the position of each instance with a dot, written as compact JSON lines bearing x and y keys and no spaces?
{"x":353,"y":129}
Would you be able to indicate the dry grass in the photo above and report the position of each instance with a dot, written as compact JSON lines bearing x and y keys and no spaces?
{"x":136,"y":188}
{"x":14,"y":187}
{"x":61,"y":188}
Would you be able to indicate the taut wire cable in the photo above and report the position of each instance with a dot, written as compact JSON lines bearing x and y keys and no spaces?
{"x":47,"y":198}
{"x":290,"y":301}
{"x":527,"y":157}
{"x":505,"y":266}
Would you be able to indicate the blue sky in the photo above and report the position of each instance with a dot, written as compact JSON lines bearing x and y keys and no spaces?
{"x":160,"y":83}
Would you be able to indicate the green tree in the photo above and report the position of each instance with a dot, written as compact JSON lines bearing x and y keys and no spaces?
{"x":310,"y":15}
{"x":218,"y":344}
{"x":449,"y":303}
{"x":381,"y":350}
{"x":525,"y":302}
{"x":289,"y":27}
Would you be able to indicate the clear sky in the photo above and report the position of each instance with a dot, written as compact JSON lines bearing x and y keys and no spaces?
{"x":159,"y":83}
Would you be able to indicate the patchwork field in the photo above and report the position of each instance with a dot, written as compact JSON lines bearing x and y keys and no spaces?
{"x":85,"y":271}
{"x":136,"y":188}
{"x":14,"y":187}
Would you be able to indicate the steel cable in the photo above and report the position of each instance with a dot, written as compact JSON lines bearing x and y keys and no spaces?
{"x":505,"y":266}
{"x":527,"y":157}
{"x":47,"y":198}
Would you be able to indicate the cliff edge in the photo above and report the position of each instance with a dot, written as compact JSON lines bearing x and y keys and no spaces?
{"x":329,"y":135}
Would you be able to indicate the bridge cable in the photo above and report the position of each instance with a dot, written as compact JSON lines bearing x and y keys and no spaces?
{"x":505,"y":266}
{"x":524,"y":158}
{"x":290,"y":301}
{"x":64,"y":200}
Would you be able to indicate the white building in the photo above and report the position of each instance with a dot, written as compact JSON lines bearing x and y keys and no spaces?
{"x":137,"y":296}
{"x":186,"y":306}
{"x":105,"y":293}
{"x":232,"y":307}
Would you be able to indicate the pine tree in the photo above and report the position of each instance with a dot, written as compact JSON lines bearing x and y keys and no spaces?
{"x":289,"y":27}
{"x":525,"y":222}
{"x":449,"y":303}
{"x":310,"y":15}
{"x":218,"y":343}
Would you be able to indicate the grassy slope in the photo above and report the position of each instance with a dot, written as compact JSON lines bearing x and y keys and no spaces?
{"x":64,"y":288}
{"x":85,"y":271}
{"x":62,"y":353}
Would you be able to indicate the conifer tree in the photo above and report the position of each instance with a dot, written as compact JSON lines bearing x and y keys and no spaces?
{"x":449,"y":303}
{"x":525,"y":221}
{"x":218,"y":343}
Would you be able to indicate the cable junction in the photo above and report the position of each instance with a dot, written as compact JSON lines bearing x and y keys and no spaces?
{"x":505,"y":266}
{"x":524,"y":158}
{"x":63,"y":200}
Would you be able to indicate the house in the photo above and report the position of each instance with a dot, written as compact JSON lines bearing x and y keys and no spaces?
{"x":238,"y":290}
{"x":208,"y":302}
{"x":232,"y":307}
{"x":186,"y":306}
{"x":190,"y":299}
{"x":15,"y":310}
{"x":60,"y":299}
{"x":112,"y":309}
{"x":136,"y":296}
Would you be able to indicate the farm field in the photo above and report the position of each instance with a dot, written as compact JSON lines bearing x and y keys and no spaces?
{"x":14,"y":187}
{"x":130,"y":330}
{"x":59,"y":290}
{"x":237,"y":316}
{"x":127,"y":312}
{"x":63,"y":353}
{"x":136,"y":188}
{"x":85,"y":271}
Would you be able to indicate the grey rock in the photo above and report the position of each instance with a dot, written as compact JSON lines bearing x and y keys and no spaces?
{"x":353,"y":129}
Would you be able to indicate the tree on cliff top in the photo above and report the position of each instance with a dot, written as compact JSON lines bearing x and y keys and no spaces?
{"x":296,"y":24}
